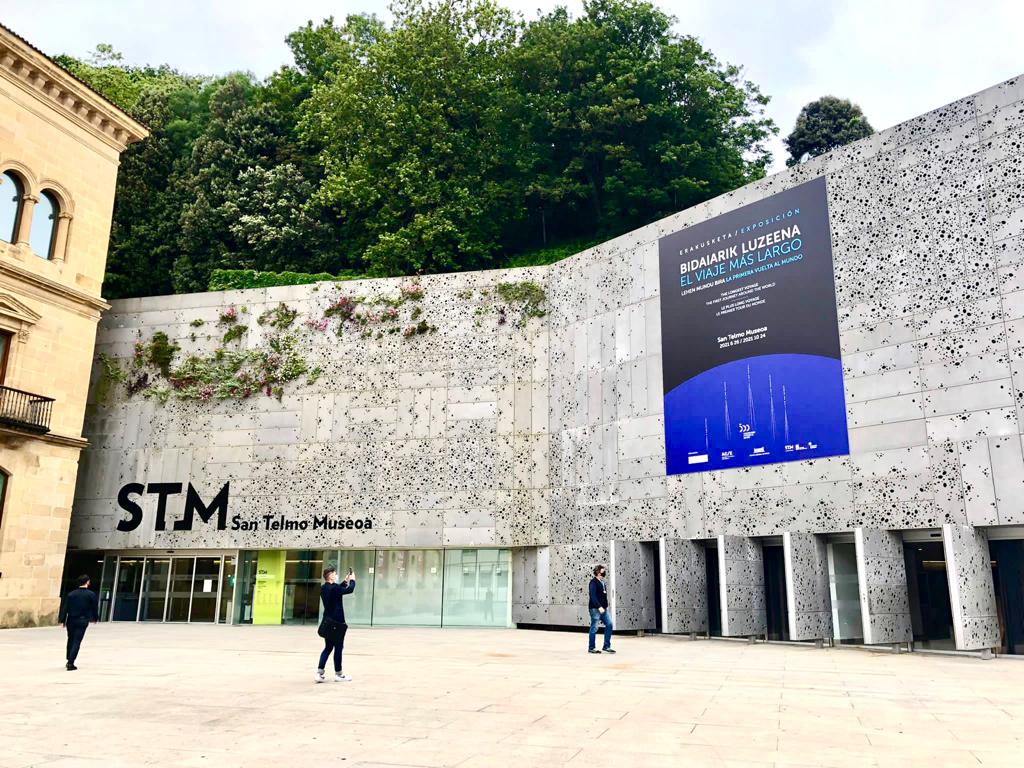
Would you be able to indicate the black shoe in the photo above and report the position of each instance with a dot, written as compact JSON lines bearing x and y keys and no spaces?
{"x":593,"y":650}
{"x":70,"y":667}
{"x":607,"y":650}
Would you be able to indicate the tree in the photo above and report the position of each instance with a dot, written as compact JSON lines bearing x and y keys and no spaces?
{"x":823,"y":125}
{"x":632,"y":121}
{"x":454,"y":137}
{"x":423,"y":149}
{"x":143,"y":239}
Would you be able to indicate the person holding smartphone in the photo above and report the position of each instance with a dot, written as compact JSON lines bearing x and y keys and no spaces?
{"x":333,"y":627}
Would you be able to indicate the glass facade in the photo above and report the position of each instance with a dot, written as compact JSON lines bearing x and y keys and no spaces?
{"x":476,"y":588}
{"x":408,"y":586}
{"x":157,"y":588}
{"x":395,"y":587}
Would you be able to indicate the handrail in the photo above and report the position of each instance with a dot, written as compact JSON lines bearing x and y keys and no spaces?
{"x":25,"y":410}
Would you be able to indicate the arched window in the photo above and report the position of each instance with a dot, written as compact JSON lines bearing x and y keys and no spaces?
{"x":44,"y":225}
{"x":11,"y":192}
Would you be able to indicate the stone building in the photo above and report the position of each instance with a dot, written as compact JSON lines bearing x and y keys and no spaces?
{"x":472,"y":444}
{"x":60,"y":144}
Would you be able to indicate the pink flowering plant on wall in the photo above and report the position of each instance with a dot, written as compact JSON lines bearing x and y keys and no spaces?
{"x":156,"y":370}
{"x":377,"y":315}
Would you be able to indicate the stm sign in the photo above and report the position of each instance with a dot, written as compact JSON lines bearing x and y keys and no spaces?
{"x":194,"y":506}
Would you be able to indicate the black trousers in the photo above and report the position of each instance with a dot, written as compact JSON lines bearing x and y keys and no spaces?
{"x":76,"y":631}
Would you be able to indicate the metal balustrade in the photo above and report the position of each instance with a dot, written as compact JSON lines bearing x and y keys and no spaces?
{"x":24,"y":410}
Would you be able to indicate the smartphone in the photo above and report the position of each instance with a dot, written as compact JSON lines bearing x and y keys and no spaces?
{"x":350,"y":572}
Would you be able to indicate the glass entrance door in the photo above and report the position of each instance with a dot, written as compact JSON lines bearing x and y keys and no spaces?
{"x":845,"y":589}
{"x":303,"y":574}
{"x":1008,"y":578}
{"x":776,"y":604}
{"x":154,"y":588}
{"x":931,"y":615}
{"x":227,"y":591}
{"x":205,"y":589}
{"x":129,"y":581}
{"x":182,"y":570}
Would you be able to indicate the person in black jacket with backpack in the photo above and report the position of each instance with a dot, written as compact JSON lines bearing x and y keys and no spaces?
{"x":333,"y":626}
{"x":599,"y":610}
{"x":79,"y":608}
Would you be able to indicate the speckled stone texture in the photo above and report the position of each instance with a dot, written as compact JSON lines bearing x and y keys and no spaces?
{"x":971,"y":593}
{"x":632,"y":588}
{"x":552,"y":436}
{"x":741,"y":581}
{"x":807,"y":586}
{"x":684,"y":586}
{"x":882,"y":577}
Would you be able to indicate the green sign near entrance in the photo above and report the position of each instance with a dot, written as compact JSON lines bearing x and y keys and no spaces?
{"x":266,"y":603}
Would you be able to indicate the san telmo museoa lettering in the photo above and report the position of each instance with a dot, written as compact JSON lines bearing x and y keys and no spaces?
{"x":195,"y":507}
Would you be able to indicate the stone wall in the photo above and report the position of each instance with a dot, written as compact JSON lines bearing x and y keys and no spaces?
{"x":552,"y":436}
{"x":60,"y":139}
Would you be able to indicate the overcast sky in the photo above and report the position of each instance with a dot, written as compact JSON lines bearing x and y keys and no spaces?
{"x":896,"y":58}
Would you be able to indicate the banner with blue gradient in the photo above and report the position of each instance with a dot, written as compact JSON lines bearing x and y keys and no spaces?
{"x":750,"y":337}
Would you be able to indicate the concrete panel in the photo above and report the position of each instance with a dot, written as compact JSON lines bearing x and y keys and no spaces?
{"x":882,"y":577}
{"x":807,"y":586}
{"x":741,"y":581}
{"x":971,"y":592}
{"x":684,"y":588}
{"x":631,"y":585}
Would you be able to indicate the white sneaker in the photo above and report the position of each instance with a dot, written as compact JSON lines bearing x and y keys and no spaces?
{"x":340,"y":678}
{"x":319,"y":677}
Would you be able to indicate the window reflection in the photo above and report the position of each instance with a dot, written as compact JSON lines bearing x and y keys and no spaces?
{"x":44,"y":224}
{"x":11,"y":192}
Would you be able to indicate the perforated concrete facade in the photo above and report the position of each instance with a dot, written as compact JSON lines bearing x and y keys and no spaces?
{"x":549,"y":438}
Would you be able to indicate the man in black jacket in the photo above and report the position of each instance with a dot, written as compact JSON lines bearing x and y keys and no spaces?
{"x":80,"y":607}
{"x":599,"y":610}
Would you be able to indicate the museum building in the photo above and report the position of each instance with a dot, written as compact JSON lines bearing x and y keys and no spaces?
{"x":60,"y":146}
{"x":791,"y":412}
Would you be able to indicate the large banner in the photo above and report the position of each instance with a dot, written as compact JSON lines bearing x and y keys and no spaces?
{"x":750,"y":337}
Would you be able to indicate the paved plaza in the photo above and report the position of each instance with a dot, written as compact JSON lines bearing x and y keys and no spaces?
{"x":174,"y":695}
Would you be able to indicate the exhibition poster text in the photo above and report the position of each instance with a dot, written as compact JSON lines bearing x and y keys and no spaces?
{"x":750,"y":337}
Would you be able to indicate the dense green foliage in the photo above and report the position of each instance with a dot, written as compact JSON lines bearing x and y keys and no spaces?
{"x":824,"y":125}
{"x":456,"y":137}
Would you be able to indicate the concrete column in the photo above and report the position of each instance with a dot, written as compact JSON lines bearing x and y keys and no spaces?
{"x":972,"y":595}
{"x":882,"y":579}
{"x":631,"y":585}
{"x":807,"y":586}
{"x":741,"y":580}
{"x":684,"y":586}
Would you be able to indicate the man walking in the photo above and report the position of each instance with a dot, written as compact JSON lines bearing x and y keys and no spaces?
{"x":599,"y":610}
{"x":80,"y":607}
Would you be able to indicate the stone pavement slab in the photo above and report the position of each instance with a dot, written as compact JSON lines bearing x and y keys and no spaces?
{"x":178,"y":695}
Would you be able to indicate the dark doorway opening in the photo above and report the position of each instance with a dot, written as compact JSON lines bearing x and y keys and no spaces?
{"x":930,"y":614}
{"x":1008,"y":578}
{"x":776,"y":604}
{"x":714,"y":596}
{"x":654,"y":548}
